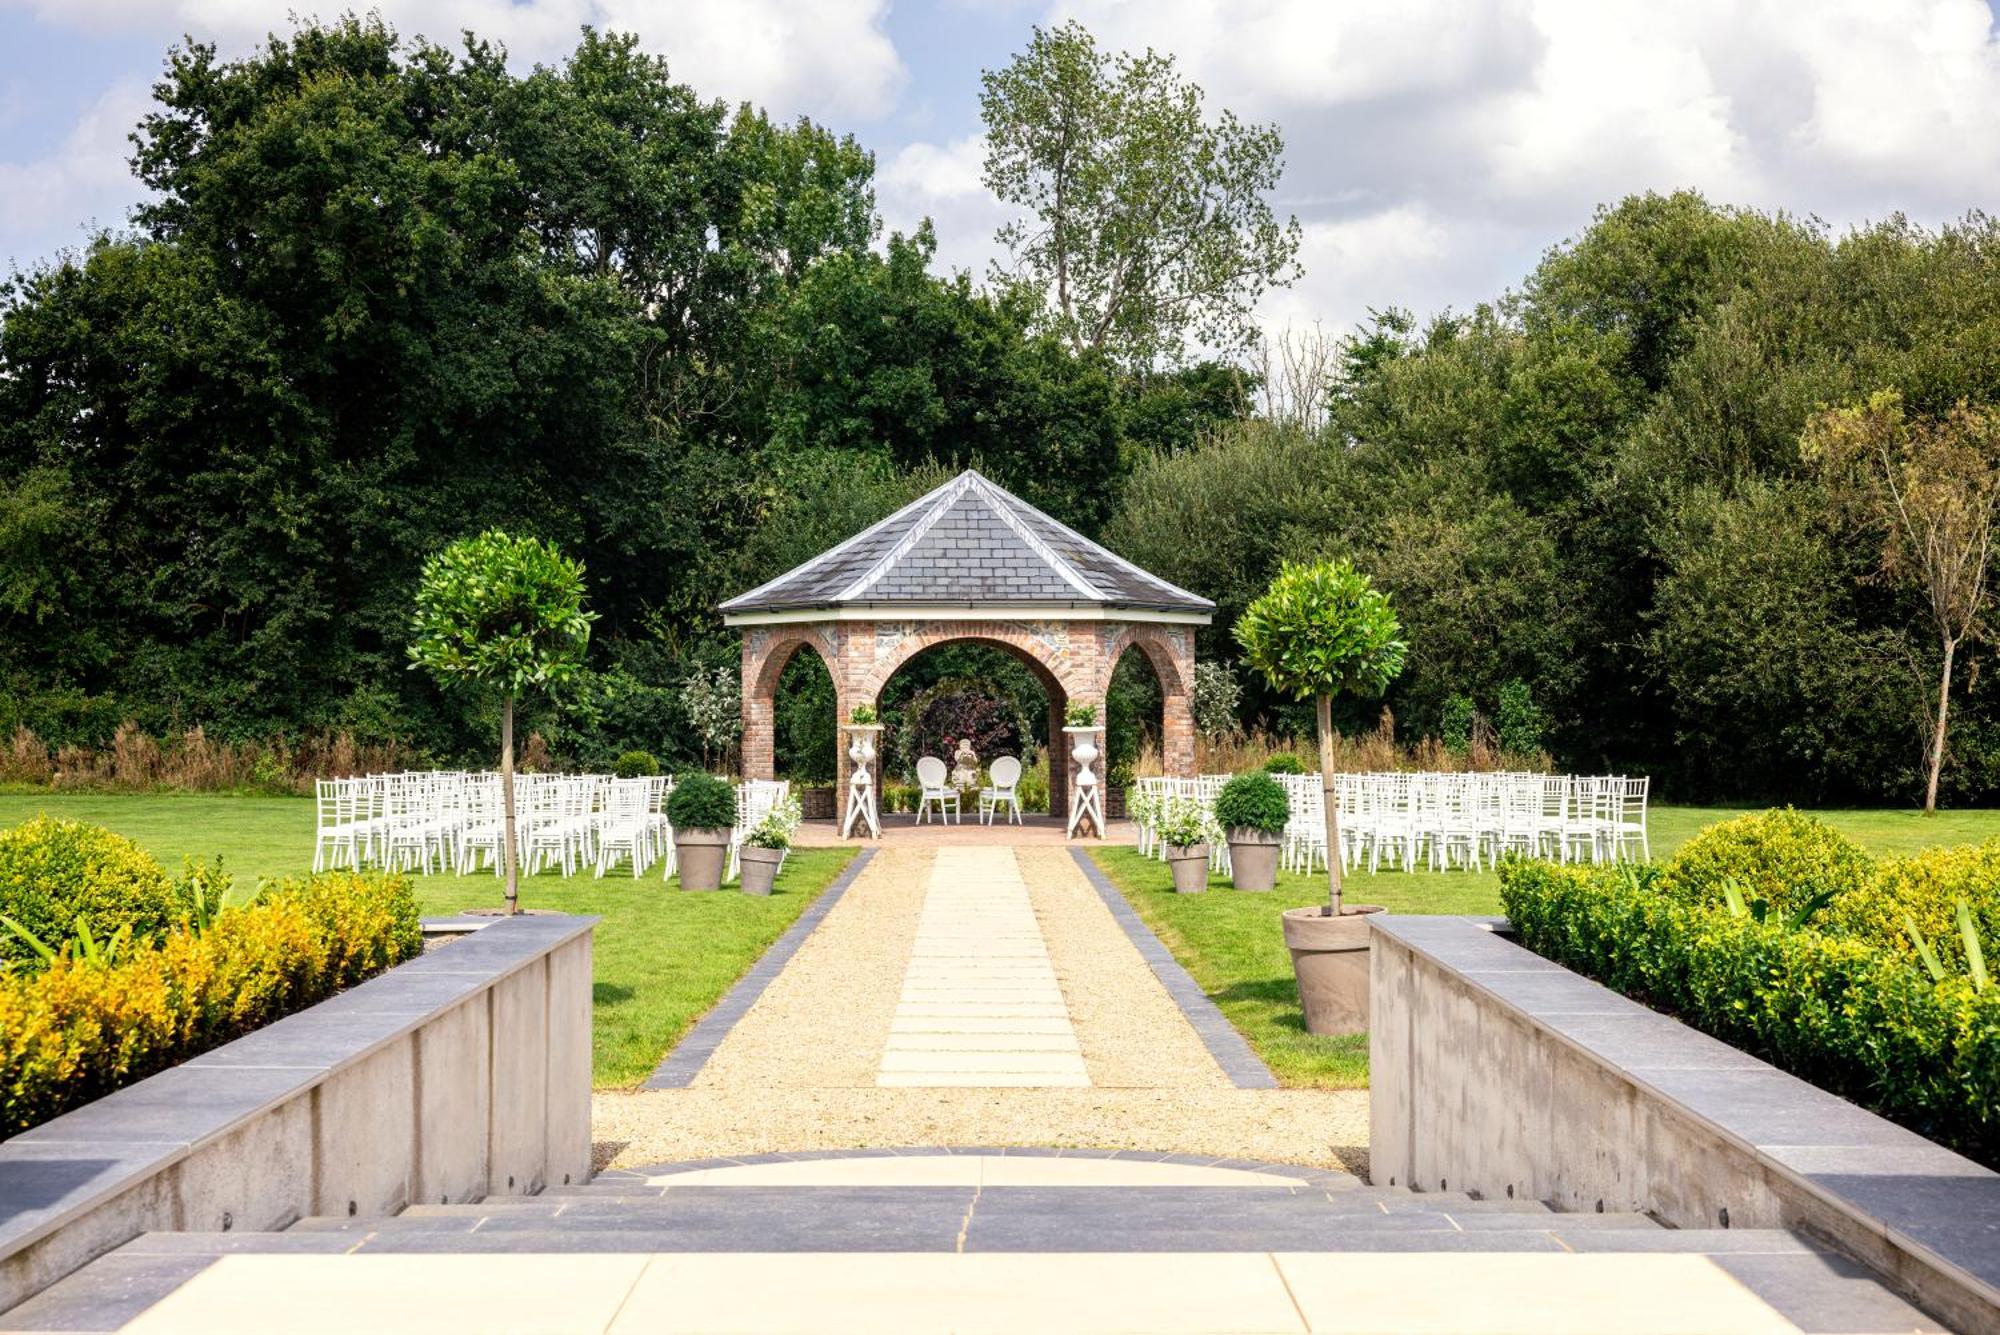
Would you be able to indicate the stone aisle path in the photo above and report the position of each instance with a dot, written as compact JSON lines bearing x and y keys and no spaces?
{"x":980,"y":1006}
{"x":872,"y":1037}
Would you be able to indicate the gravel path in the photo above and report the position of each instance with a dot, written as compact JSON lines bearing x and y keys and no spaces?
{"x":799,"y":1070}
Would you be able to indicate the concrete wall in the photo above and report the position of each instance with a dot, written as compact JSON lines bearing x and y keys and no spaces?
{"x":461,"y":1074}
{"x":1496,"y":1072}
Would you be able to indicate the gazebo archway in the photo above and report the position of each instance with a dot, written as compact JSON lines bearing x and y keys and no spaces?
{"x":970,"y":562}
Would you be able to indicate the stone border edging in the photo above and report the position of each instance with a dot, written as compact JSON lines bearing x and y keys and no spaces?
{"x":1231,"y":1051}
{"x":685,"y":1059}
{"x":1592,"y":1097}
{"x":1322,"y":1179}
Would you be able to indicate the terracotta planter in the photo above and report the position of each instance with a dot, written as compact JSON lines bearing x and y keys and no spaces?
{"x":760,"y":868}
{"x":1190,"y":867}
{"x":1253,"y":859}
{"x":701,"y":855}
{"x":1330,"y":958}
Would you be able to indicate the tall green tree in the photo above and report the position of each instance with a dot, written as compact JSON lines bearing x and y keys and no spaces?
{"x":1149,"y":226}
{"x":1324,"y":630}
{"x":505,"y":614}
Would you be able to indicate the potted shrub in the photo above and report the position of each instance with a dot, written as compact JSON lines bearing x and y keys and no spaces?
{"x":764,"y":848}
{"x":1253,"y":808}
{"x":1318,"y":630}
{"x":1185,"y":830}
{"x":702,"y":811}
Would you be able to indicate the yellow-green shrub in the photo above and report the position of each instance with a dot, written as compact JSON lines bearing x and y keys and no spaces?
{"x":1783,"y":856}
{"x":1927,"y":886}
{"x":75,"y":1032}
{"x":53,"y":872}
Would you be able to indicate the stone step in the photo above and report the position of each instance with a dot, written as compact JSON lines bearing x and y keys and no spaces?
{"x":1703,"y":1280}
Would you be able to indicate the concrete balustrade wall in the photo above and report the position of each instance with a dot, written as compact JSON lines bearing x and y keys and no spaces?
{"x":461,"y":1074}
{"x":1497,"y":1072}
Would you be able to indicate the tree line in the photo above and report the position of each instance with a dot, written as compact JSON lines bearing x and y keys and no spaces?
{"x":385,"y":294}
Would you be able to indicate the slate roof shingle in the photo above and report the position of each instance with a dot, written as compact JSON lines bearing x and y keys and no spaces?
{"x":970,"y":542}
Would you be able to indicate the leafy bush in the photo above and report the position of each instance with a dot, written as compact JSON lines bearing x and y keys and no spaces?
{"x":1284,"y":762}
{"x":701,"y":802}
{"x":635,"y":765}
{"x":1254,"y":801}
{"x":1455,"y":722}
{"x":1784,"y":857}
{"x":1216,"y":697}
{"x":1080,"y":716}
{"x":1841,"y":1012}
{"x":780,"y":823}
{"x":1927,"y":887}
{"x":1518,"y":719}
{"x":54,"y":872}
{"x":77,"y":1031}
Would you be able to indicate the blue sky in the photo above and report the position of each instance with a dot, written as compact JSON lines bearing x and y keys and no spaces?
{"x":1435,"y":147}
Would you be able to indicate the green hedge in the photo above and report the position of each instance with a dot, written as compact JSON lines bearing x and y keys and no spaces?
{"x":76,"y":1031}
{"x":1843,"y":1011}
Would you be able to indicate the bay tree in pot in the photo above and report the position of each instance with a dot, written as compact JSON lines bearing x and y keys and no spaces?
{"x":765,"y":846}
{"x":1253,"y":809}
{"x":1318,"y":631}
{"x":1185,"y":829}
{"x":702,"y":811}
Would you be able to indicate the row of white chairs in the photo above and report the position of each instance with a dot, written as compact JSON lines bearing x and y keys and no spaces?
{"x":1444,"y":821}
{"x":1003,"y":793}
{"x":454,"y":819}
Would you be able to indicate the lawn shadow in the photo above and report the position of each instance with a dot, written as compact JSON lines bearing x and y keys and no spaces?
{"x":600,"y":993}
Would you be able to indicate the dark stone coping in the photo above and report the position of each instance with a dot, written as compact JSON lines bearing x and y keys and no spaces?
{"x":684,"y":1061}
{"x":1238,"y":1060}
{"x":54,"y":1173}
{"x":1926,"y":1201}
{"x":1319,"y":1179}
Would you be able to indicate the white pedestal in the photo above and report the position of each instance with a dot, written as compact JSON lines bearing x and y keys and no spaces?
{"x":1086,"y":793}
{"x":861,"y":783}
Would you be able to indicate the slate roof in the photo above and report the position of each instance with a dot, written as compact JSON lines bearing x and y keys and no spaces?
{"x":969,"y":542}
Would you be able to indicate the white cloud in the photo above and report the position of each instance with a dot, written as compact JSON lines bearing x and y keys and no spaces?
{"x":1488,"y":131}
{"x":827,"y":58}
{"x":59,"y":199}
{"x":942,"y":183}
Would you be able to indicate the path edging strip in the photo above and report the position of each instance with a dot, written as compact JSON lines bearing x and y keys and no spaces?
{"x":684,"y":1061}
{"x":1232,"y":1052}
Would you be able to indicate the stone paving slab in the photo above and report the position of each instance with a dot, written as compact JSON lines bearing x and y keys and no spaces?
{"x":1468,"y":1293}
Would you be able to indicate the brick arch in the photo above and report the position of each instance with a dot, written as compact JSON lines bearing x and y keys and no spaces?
{"x":1066,"y":663}
{"x":1169,"y":650}
{"x":767,"y":650}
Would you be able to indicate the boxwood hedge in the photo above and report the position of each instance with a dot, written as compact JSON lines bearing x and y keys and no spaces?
{"x":1843,"y":1008}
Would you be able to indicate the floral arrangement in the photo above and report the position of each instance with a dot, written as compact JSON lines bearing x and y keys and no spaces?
{"x":1185,"y":822}
{"x":778,"y":825}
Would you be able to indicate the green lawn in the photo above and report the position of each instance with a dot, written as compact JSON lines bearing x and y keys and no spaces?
{"x":662,"y":958}
{"x":1233,"y":946}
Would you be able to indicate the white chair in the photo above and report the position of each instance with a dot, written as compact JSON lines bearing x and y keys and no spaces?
{"x":1004,"y":791}
{"x":931,"y":778}
{"x":624,"y":826}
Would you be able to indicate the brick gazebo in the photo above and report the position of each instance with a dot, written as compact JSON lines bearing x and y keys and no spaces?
{"x":970,"y":562}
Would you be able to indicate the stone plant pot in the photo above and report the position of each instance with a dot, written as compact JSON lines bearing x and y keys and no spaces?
{"x":701,"y":855}
{"x":1253,"y":859}
{"x":760,"y":868}
{"x":1190,"y":866}
{"x":1330,"y":957}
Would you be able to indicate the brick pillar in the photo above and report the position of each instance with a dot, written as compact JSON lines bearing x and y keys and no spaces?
{"x":1058,"y":757}
{"x":1177,"y":736}
{"x":760,"y":721}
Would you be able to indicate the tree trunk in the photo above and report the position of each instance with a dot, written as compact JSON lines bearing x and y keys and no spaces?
{"x":1937,"y":739}
{"x":510,"y":850}
{"x":1329,"y":799}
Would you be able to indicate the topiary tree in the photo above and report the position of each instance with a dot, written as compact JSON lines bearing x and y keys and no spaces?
{"x":55,"y":873}
{"x":507,"y":614}
{"x":1318,"y":631}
